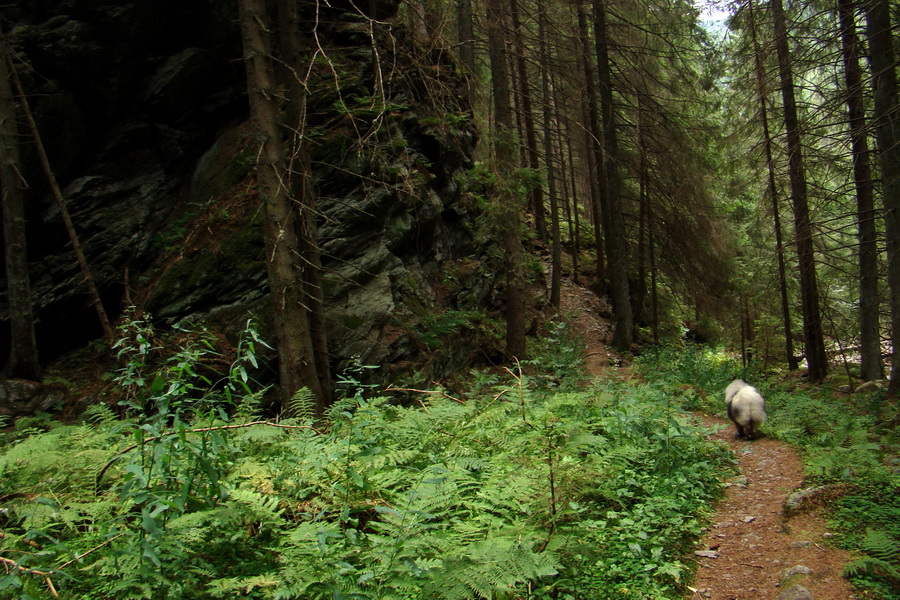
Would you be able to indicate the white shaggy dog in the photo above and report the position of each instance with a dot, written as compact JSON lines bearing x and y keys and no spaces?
{"x":746,"y":408}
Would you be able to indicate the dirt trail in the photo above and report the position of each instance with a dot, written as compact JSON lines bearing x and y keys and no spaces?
{"x":755,"y":546}
{"x":750,"y":549}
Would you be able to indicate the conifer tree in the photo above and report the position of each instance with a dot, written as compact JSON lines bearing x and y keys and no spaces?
{"x":813,"y":340}
{"x":23,"y":355}
{"x":282,"y":229}
{"x":886,"y":119}
{"x":871,"y":366}
{"x":508,"y":210}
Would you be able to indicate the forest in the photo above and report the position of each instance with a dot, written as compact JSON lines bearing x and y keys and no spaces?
{"x":439,"y":298}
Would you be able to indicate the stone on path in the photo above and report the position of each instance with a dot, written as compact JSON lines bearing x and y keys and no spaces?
{"x":795,"y":592}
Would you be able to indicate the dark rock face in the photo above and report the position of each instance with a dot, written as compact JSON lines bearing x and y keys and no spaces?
{"x":142,"y":107}
{"x":20,"y":397}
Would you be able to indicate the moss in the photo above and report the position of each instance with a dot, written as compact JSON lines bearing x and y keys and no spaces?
{"x":352,"y":322}
{"x":237,"y":257}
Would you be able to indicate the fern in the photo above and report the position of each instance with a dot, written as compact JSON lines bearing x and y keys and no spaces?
{"x":873,"y":567}
{"x":99,"y":415}
{"x":882,"y":546}
{"x":302,"y":405}
{"x":485,"y":568}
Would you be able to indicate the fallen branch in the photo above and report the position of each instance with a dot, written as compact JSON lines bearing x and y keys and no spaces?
{"x":94,"y":549}
{"x":45,"y":574}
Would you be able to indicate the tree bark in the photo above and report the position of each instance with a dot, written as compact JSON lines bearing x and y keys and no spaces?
{"x":466,"y":40}
{"x":813,"y":339}
{"x":23,"y":354}
{"x":886,"y":119}
{"x":535,"y":192}
{"x":592,"y":140}
{"x":772,"y":190}
{"x":643,"y":201}
{"x":871,"y":366}
{"x":297,"y":363}
{"x":305,"y":206}
{"x":504,"y":152}
{"x":555,"y":250}
{"x":616,"y":243}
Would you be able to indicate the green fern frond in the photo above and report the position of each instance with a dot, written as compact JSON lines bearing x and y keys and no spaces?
{"x":99,"y":414}
{"x":302,"y":405}
{"x":230,"y":587}
{"x":487,"y":567}
{"x":882,"y":546}
{"x":260,"y":508}
{"x":872,"y":567}
{"x":248,"y":407}
{"x":392,"y":458}
{"x":341,"y":408}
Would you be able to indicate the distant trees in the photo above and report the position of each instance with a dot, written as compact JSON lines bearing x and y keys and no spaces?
{"x":871,"y":366}
{"x":839,"y":239}
{"x":613,"y":220}
{"x":582,"y":74}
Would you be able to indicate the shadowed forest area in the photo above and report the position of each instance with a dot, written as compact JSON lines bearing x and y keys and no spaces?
{"x":435,"y":299}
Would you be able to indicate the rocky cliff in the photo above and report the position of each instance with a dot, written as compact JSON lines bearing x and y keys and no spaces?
{"x":143,"y":109}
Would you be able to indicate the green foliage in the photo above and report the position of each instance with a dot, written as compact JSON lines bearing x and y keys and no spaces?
{"x":559,"y":356}
{"x":707,"y":371}
{"x":526,"y":489}
{"x":436,"y":328}
{"x":868,"y":520}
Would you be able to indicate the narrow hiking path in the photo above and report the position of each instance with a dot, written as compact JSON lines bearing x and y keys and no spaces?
{"x":751,"y":550}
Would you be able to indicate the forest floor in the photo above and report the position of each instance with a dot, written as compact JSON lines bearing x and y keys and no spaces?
{"x":750,"y":550}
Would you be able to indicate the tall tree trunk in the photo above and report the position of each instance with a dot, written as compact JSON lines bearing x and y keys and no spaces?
{"x":592,"y":140}
{"x":813,"y":339}
{"x":772,"y":190}
{"x":504,"y":157}
{"x":555,"y":250}
{"x":23,"y":355}
{"x":86,"y":272}
{"x":300,"y":185}
{"x":654,"y":288}
{"x":297,"y":363}
{"x":871,"y":366}
{"x":643,"y":178}
{"x":571,"y":183}
{"x":466,"y":35}
{"x":886,"y":118}
{"x":536,"y":192}
{"x":616,"y":243}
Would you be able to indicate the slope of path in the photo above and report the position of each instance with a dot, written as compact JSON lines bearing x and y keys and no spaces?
{"x":754,"y":545}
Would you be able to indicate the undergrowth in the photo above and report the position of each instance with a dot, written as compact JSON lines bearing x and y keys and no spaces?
{"x":848,"y":441}
{"x":527,"y":489}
